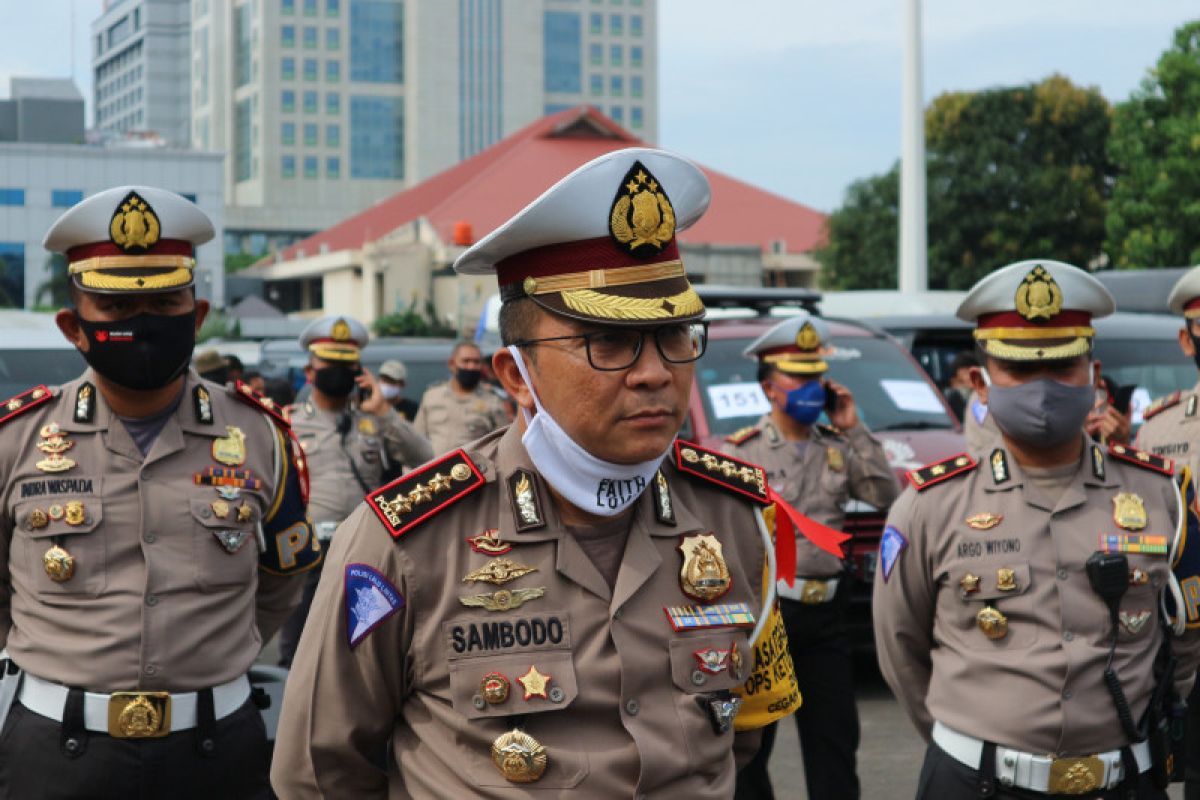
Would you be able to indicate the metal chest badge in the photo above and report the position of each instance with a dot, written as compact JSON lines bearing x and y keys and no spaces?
{"x":54,"y":443}
{"x":993,"y":624}
{"x":59,"y":564}
{"x":231,"y":449}
{"x":498,"y":571}
{"x":503,"y":599}
{"x":984,"y":520}
{"x":1129,"y":511}
{"x":704,"y":575}
{"x":833,"y":457}
{"x":519,"y":757}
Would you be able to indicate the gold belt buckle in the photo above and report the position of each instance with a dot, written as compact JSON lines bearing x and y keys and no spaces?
{"x":139,"y":715}
{"x":814,"y":592}
{"x":1076,"y":775}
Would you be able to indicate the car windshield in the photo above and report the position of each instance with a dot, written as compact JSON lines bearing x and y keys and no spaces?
{"x":891,"y":392}
{"x":1154,"y":366}
{"x":23,"y":369}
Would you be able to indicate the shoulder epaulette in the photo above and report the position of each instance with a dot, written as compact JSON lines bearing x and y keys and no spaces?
{"x":734,"y":474}
{"x":415,"y":497}
{"x":246,"y":393}
{"x":1143,"y":459}
{"x":1162,"y":404}
{"x":743,"y":435}
{"x":23,"y":402}
{"x":939,"y":471}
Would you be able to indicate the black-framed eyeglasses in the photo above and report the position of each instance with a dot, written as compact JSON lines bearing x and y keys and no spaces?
{"x":615,"y":349}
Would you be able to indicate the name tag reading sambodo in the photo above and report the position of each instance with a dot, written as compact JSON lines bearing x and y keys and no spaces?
{"x":542,"y":632}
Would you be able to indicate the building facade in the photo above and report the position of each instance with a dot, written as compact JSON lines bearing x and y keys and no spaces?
{"x":39,"y":181}
{"x":140,"y":69}
{"x":326,"y":107}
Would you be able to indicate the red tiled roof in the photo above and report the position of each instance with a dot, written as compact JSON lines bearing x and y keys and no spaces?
{"x":491,"y":186}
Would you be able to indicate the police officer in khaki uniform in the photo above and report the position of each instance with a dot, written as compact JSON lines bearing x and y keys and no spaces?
{"x":1172,"y":423}
{"x":461,"y":409}
{"x":818,"y":469}
{"x":1171,"y":430}
{"x":151,"y":528}
{"x":349,"y":443}
{"x":566,"y":604}
{"x":1016,"y":600}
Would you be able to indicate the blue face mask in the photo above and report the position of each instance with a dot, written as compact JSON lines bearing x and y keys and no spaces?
{"x":806,"y":403}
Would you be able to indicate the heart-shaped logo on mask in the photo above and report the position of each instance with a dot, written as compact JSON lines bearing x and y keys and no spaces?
{"x":101,"y":336}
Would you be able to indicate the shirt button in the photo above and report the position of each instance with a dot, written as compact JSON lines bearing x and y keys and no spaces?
{"x":151,"y":600}
{"x":1068,"y":636}
{"x":149,"y":538}
{"x":150,"y":669}
{"x":631,"y":707}
{"x":206,"y":512}
{"x":698,"y":677}
{"x":1067,"y":694}
{"x":1062,"y":574}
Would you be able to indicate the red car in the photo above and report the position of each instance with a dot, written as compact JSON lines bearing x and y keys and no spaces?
{"x":895,"y":398}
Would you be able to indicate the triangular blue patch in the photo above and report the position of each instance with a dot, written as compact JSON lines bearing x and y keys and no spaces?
{"x":370,"y":599}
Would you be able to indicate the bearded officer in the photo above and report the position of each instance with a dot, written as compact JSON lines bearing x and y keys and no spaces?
{"x":349,"y":444}
{"x":1016,"y":600}
{"x":818,"y":469}
{"x":152,"y":527}
{"x":462,"y":409}
{"x":566,"y":604}
{"x":1171,"y":430}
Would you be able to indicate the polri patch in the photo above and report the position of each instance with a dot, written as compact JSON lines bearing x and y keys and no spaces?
{"x":890,"y":547}
{"x":370,"y":599}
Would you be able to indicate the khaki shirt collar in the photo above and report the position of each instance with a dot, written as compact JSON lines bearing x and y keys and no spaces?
{"x":1095,"y":471}
{"x":641,"y":558}
{"x":102,"y":416}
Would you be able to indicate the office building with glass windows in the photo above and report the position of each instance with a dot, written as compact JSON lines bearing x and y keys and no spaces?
{"x":140,"y":74}
{"x":326,"y":107}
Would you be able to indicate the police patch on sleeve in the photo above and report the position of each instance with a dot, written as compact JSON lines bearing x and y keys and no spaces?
{"x":370,"y":599}
{"x":890,"y":547}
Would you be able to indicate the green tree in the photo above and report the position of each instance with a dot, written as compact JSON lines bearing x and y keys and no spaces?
{"x":53,"y":293}
{"x":1154,"y":216}
{"x":1012,"y":173}
{"x":236,"y":262}
{"x":411,"y":322}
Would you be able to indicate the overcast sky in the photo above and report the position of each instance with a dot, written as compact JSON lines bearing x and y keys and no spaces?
{"x":798,"y":96}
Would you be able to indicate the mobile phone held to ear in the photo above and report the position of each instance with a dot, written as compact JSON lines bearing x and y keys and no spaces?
{"x":831,"y":398}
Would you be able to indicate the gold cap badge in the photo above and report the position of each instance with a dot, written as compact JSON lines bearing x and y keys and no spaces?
{"x":134,"y":226}
{"x":1038,"y":296}
{"x":341,"y":331}
{"x":642,"y":219}
{"x":807,"y":337}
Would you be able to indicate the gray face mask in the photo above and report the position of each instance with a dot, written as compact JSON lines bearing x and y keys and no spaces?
{"x":1042,"y":412}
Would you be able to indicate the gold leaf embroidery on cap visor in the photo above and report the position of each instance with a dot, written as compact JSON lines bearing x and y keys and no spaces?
{"x":608,"y":306}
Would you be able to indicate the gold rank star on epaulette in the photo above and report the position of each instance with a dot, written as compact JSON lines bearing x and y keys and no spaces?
{"x":245,"y":392}
{"x":931,"y":474}
{"x":23,"y":402}
{"x":1162,"y":404}
{"x":739,"y":476}
{"x":743,"y":435}
{"x":413,"y":498}
{"x":1142,"y":459}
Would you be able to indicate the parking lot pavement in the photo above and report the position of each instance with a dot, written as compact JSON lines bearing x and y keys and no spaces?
{"x":889,"y":756}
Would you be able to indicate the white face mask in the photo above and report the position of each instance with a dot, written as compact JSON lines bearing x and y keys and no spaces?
{"x":588,"y":483}
{"x":390,"y":391}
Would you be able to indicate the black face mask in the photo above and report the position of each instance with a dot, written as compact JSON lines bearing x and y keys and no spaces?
{"x":336,"y":380}
{"x":142,"y":353}
{"x":468,"y":378}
